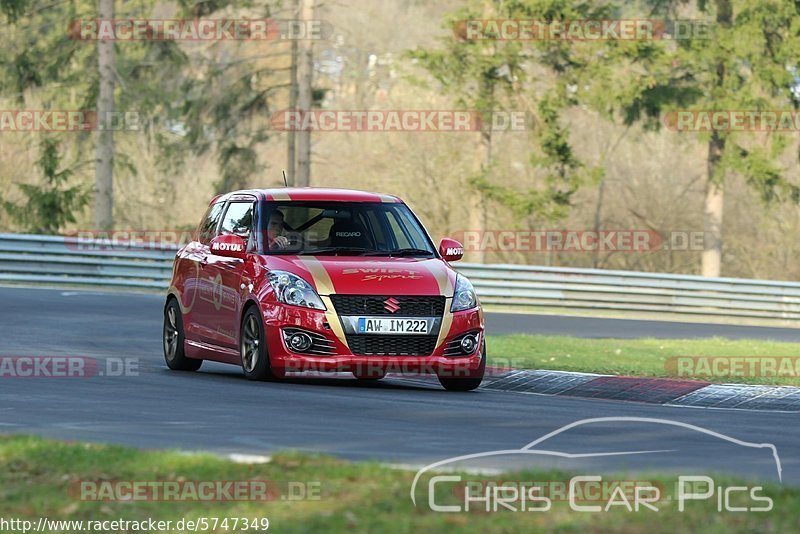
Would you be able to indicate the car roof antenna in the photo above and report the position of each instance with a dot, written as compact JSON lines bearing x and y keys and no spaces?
{"x":285,"y":181}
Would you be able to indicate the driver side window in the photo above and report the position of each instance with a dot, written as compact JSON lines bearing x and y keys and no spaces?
{"x":238,"y":219}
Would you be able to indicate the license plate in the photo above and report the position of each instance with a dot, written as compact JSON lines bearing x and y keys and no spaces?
{"x":375,"y":325}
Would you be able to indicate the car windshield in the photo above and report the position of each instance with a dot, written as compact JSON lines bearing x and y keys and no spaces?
{"x":345,"y":229}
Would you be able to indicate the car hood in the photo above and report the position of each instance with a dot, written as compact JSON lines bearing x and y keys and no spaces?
{"x":370,"y":276}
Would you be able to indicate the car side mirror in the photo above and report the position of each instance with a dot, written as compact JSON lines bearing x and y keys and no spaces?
{"x":230,"y":246}
{"x":451,"y":250}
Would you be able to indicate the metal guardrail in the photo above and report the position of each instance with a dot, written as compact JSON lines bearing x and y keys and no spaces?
{"x":631,"y":291}
{"x":71,"y":261}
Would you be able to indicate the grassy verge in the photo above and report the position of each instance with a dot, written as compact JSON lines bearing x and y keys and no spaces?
{"x":639,"y":357}
{"x":37,"y":476}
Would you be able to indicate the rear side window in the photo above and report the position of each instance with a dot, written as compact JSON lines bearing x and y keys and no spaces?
{"x":208,"y":226}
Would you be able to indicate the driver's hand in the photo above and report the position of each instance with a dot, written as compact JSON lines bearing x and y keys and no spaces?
{"x":280,"y":242}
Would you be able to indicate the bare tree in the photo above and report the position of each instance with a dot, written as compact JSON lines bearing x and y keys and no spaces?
{"x":712,"y":221}
{"x":104,"y":148}
{"x":305,"y":75}
{"x":291,"y":152}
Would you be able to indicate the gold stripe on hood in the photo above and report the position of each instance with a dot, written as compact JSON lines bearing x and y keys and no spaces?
{"x":442,"y":278}
{"x":447,"y":322}
{"x":446,"y":289}
{"x":322,"y":281}
{"x":333,"y":321}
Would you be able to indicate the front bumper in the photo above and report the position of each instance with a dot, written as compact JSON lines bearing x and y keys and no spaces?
{"x":342,"y":359}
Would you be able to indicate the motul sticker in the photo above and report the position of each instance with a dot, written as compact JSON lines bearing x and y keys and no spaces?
{"x":235,"y":247}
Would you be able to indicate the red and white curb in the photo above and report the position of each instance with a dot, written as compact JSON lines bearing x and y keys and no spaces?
{"x":663,"y":391}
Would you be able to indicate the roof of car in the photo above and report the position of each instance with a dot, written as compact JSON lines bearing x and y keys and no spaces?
{"x":313,"y":194}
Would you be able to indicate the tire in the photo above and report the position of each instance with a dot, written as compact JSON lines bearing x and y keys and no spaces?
{"x":173,"y":338}
{"x":253,"y":347}
{"x":467,"y":383}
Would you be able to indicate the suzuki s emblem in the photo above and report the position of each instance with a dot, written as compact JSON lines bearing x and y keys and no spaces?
{"x":391,"y":305}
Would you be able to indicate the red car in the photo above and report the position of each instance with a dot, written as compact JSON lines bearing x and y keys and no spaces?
{"x":326,"y":280}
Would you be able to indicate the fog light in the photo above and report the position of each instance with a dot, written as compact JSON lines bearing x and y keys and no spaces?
{"x":300,"y":342}
{"x":468,"y":343}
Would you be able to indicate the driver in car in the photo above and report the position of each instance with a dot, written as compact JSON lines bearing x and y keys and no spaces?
{"x":275,"y":232}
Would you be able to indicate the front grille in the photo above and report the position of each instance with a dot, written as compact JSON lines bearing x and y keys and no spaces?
{"x":432,"y":306}
{"x":319,"y":344}
{"x":381,"y":345}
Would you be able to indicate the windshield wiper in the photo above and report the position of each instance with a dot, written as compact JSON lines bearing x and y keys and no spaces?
{"x":334,"y":250}
{"x":400,"y":252}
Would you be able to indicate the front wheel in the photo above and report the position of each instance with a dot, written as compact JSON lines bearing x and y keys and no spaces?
{"x":469,"y":382}
{"x":173,"y":340}
{"x":253,"y":347}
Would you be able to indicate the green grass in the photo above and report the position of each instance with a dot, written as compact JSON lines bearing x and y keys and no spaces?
{"x":633,"y":357}
{"x":36,"y":475}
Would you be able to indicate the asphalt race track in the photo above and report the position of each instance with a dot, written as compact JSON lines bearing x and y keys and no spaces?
{"x":592,"y":327}
{"x":394,"y":421}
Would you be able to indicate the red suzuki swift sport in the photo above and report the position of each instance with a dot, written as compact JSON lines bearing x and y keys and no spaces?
{"x":327,"y":280}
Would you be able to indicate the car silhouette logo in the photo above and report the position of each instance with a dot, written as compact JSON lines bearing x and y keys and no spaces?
{"x":530,"y":448}
{"x":392,"y":305}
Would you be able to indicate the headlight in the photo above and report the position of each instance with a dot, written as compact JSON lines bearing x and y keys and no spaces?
{"x":291,"y":289}
{"x":464,"y":297}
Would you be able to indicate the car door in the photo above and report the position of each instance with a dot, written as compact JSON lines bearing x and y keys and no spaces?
{"x":223,"y":277}
{"x":193,"y":258}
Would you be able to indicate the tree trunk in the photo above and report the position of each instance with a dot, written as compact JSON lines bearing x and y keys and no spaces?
{"x":598,"y":217}
{"x":477,"y":217}
{"x":712,"y":213}
{"x":305,"y":74}
{"x":104,"y":148}
{"x":477,"y":208}
{"x":712,"y":224}
{"x":291,"y":153}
